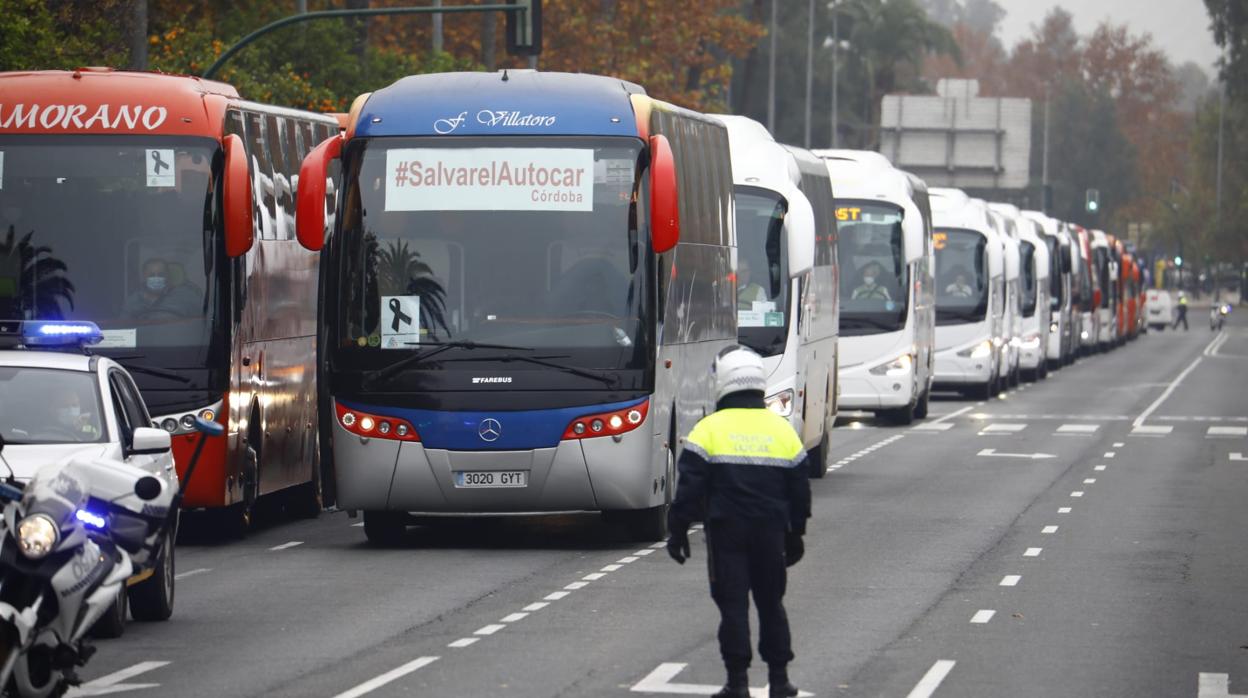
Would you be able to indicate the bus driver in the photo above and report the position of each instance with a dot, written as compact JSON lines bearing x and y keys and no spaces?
{"x":157,"y":295}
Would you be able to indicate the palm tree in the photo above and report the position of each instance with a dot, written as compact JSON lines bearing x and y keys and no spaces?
{"x":42,"y":289}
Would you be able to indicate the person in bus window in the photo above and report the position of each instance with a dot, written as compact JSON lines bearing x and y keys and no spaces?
{"x":159,"y":295}
{"x":870,"y":289}
{"x":747,"y":292}
{"x":960,"y":287}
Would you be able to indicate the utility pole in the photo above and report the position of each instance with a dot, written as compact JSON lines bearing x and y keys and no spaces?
{"x":1045,"y":195}
{"x":810,"y":68}
{"x":437,"y":28}
{"x":771,"y":72}
{"x":1217,"y":219}
{"x":836,"y":49}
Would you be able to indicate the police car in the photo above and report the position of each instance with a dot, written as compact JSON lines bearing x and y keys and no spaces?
{"x":58,"y":401}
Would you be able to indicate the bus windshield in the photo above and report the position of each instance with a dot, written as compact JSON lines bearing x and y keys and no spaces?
{"x":116,"y":230}
{"x":435,"y":251}
{"x":762,"y":271}
{"x":873,"y":267}
{"x":1056,"y":295}
{"x":1027,"y":259}
{"x":961,"y":276}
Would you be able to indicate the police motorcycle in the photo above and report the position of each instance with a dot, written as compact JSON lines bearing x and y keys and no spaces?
{"x":1217,"y":315}
{"x":69,"y":540}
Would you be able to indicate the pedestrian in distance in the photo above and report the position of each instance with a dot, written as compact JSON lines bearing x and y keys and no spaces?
{"x":743,"y":471}
{"x":1182,"y":316}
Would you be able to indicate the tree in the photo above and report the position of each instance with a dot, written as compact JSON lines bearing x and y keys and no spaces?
{"x":983,"y":59}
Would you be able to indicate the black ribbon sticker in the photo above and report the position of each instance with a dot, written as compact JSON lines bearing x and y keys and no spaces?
{"x":399,"y":316}
{"x":157,"y":163}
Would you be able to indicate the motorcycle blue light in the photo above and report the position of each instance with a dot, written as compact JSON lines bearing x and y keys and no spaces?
{"x":90,"y":518}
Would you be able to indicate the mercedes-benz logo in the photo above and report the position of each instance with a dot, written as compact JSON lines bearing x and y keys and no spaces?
{"x":489,"y":429}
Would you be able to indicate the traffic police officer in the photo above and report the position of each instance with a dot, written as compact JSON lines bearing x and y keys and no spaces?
{"x":743,"y":471}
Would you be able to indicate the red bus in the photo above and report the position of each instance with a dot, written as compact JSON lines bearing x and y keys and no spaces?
{"x":162,"y":208}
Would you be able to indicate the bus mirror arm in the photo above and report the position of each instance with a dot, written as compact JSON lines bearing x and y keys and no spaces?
{"x":236,"y":198}
{"x":664,"y":196}
{"x":310,"y":203}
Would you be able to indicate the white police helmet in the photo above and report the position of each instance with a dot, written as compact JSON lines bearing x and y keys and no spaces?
{"x":738,"y":368}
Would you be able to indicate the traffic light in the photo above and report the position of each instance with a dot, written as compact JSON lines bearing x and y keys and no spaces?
{"x":524,"y":29}
{"x":1178,"y":261}
{"x":1093,"y":201}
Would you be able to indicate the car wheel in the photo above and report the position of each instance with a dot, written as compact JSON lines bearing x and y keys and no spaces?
{"x":152,"y":598}
{"x":112,"y":624}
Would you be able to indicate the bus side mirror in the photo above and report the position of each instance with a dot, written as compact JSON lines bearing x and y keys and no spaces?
{"x":799,"y":235}
{"x":664,"y":196}
{"x":236,"y":198}
{"x":912,"y":233}
{"x":310,"y":199}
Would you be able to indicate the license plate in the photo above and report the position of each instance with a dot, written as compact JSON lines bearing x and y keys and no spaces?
{"x":492,"y":478}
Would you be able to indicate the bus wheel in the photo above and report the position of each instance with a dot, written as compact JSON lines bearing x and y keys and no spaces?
{"x":305,"y":500}
{"x":647,"y":525}
{"x":152,"y":598}
{"x":385,"y":528}
{"x":920,"y":410}
{"x":819,"y":458}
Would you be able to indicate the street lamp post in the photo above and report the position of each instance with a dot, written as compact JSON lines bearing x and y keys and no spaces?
{"x":833,"y":7}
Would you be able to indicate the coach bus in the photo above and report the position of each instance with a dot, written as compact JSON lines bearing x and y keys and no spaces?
{"x":888,"y":304}
{"x":1090,"y":293}
{"x":528,"y":280}
{"x":1062,"y":337}
{"x":162,"y":208}
{"x":1033,"y":292}
{"x":1105,"y":268}
{"x":970,"y":294}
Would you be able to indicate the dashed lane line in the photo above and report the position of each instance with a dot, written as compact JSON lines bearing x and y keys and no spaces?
{"x":1011,"y":580}
{"x":392,"y":675}
{"x":489,"y":629}
{"x":1089,"y":481}
{"x":191,"y":573}
{"x":1119,"y":444}
{"x":1110,"y":454}
{"x":932,"y":679}
{"x":286,"y":546}
{"x":983,"y":615}
{"x":1151,"y":430}
{"x":1033,"y":552}
{"x":1098,"y":468}
{"x":1078,"y":428}
{"x":1077,"y":493}
{"x":1049,"y":529}
{"x":1063,"y":510}
{"x":1221,"y":432}
{"x":464,"y":642}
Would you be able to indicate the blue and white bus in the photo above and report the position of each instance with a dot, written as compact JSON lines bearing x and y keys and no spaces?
{"x":527,"y":281}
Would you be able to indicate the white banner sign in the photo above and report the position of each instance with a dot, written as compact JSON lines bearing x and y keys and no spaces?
{"x":490,"y":179}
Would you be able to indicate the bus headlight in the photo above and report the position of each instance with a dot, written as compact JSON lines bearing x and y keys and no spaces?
{"x":781,"y":403}
{"x":1053,"y":327}
{"x":37,"y":535}
{"x":899,"y":366}
{"x":980,"y":351}
{"x":1031,"y":342}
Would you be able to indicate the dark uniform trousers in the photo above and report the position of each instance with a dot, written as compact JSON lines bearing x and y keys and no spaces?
{"x":743,"y":557}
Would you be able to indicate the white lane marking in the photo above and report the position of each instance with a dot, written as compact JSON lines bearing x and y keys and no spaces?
{"x":513,"y":617}
{"x":1049,"y":529}
{"x":1238,"y":456}
{"x":1076,"y":493}
{"x":953,"y":414}
{"x":286,"y":546}
{"x":1098,"y":468}
{"x":1215,"y":686}
{"x":611,"y":568}
{"x":658,"y":545}
{"x":645,"y":552}
{"x":594,"y":576}
{"x":1078,"y":428}
{"x":1119,"y":444}
{"x":576,"y":585}
{"x":932,"y":426}
{"x":1184,"y":418}
{"x":376,"y":683}
{"x":464,"y":642}
{"x":1152,"y":429}
{"x":112,"y":683}
{"x":1089,"y":481}
{"x":1216,"y":344}
{"x":191,"y":573}
{"x":556,"y":595}
{"x":626,"y":560}
{"x":1169,"y":389}
{"x":1011,"y":580}
{"x":1064,"y":510}
{"x":660,"y":681}
{"x":1110,"y":454}
{"x":1033,"y":552}
{"x":488,"y":629}
{"x":932,"y":679}
{"x":1226,"y":431}
{"x":983,"y":616}
{"x":358,"y":525}
{"x":536,"y":606}
{"x":992,"y":453}
{"x":1002,"y":427}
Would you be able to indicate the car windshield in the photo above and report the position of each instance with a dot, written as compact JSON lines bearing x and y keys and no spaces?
{"x":112,"y":229}
{"x":762,"y":271}
{"x":435,"y":250}
{"x":961,"y":276}
{"x":873,"y":267}
{"x":50,"y":406}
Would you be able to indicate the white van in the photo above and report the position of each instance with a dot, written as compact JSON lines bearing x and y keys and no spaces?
{"x":888,"y":304}
{"x":1033,"y":296}
{"x":970,"y":293}
{"x":786,"y":302}
{"x":1160,"y":308}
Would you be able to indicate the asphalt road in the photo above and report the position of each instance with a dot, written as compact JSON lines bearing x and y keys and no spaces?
{"x":1080,"y":536}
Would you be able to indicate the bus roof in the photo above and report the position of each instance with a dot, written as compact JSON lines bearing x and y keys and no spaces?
{"x":106,"y":101}
{"x":507,"y":102}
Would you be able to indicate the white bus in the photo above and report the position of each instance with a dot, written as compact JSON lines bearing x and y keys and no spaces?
{"x":1063,"y":337}
{"x":1033,"y":298}
{"x":888,"y":302}
{"x":1106,"y":272}
{"x":970,"y":293}
{"x":1008,"y":342}
{"x":1089,"y":297}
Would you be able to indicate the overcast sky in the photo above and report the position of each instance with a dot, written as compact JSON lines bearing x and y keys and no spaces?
{"x":1179,"y":27}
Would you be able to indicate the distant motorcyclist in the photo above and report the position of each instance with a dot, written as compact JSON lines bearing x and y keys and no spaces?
{"x":743,"y":471}
{"x":1182,"y":317}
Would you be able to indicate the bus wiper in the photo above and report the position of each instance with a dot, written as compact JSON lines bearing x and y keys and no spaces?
{"x":870,"y":322}
{"x":608,"y":380}
{"x":149,"y":370}
{"x":393,"y":369}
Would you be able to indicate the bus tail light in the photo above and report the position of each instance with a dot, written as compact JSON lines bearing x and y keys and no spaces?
{"x":374,"y":426}
{"x":607,"y":423}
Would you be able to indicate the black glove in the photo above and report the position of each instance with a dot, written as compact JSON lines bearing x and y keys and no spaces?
{"x":678,"y":543}
{"x":794,"y":548}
